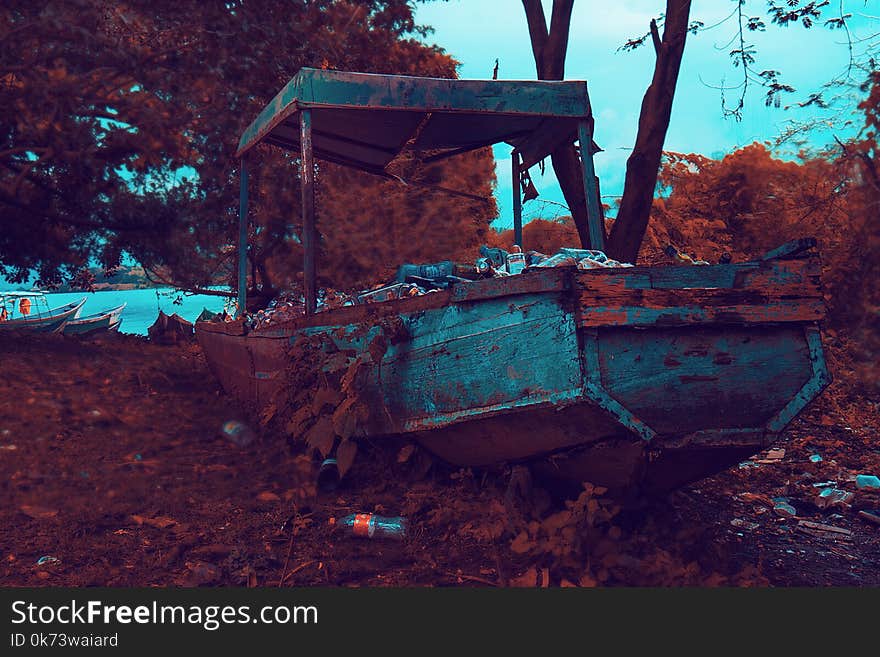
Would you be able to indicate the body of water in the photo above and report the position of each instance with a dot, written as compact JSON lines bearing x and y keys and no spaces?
{"x":143,"y":305}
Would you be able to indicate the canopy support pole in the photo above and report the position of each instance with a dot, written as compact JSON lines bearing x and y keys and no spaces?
{"x":307,"y":183}
{"x":591,"y":188}
{"x":517,"y":199}
{"x":242,"y":239}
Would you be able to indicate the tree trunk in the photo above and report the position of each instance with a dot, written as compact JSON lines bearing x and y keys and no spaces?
{"x":549,"y":49}
{"x":644,"y":162}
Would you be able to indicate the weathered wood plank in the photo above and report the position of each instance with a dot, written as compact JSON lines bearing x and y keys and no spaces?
{"x":682,"y":380}
{"x":665,"y":296}
{"x":532,"y":281}
{"x":769,"y":311}
{"x":740,"y":275}
{"x":475,"y":358}
{"x":535,"y":281}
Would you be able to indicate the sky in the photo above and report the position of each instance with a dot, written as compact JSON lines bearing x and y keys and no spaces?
{"x":476,"y":32}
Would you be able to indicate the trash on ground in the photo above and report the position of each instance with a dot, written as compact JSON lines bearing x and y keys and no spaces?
{"x":773,"y":456}
{"x":832,"y":497}
{"x":782,"y":508}
{"x":683,"y":258}
{"x":47,"y":559}
{"x":328,"y":475}
{"x":10,"y":447}
{"x":744,"y":524}
{"x":824,"y":484}
{"x":370,"y":525}
{"x":822,"y":530}
{"x":868,"y":482}
{"x":815,"y":458}
{"x":238,"y":432}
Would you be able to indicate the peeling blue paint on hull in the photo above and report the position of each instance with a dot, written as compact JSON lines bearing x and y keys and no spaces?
{"x":529,"y":369}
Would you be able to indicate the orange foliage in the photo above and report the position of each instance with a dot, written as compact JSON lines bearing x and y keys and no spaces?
{"x":369,"y":226}
{"x":543,"y":235}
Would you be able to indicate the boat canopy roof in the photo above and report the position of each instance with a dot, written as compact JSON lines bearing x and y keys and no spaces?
{"x":365,"y":120}
{"x":15,"y":294}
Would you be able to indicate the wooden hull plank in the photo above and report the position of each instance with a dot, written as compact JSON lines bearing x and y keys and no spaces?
{"x":682,"y":380}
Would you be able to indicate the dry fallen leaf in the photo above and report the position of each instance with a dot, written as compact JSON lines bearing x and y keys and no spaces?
{"x":345,"y":454}
{"x":267,"y":496}
{"x":250,"y":576}
{"x":528,"y":579}
{"x":405,"y":452}
{"x":38,"y":512}
{"x":202,"y":572}
{"x":160,"y":522}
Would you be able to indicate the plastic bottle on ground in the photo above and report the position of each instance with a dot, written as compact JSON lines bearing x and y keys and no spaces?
{"x":370,"y":525}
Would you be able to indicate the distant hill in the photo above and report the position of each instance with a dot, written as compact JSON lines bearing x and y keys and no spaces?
{"x":125,"y":278}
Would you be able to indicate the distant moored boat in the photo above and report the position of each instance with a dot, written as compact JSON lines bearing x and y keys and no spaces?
{"x":105,"y":321}
{"x":29,"y":311}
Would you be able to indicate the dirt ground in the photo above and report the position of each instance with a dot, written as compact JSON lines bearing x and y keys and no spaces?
{"x":115,"y":473}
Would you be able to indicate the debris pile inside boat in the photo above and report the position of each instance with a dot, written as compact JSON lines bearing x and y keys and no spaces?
{"x":415,"y":280}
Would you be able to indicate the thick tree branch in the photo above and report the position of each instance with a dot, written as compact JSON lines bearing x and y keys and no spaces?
{"x":644,"y":163}
{"x":557,"y":42}
{"x":157,"y":279}
{"x":549,"y":50}
{"x":537,"y":31}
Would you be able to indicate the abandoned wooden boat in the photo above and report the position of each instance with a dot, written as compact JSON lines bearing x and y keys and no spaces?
{"x":29,"y":311}
{"x":640,"y":379}
{"x":105,"y":321}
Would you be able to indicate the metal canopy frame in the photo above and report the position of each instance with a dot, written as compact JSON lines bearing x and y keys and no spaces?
{"x":365,"y":120}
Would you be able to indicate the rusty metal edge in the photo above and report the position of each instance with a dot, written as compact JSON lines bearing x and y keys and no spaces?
{"x":819,"y":380}
{"x":594,"y":389}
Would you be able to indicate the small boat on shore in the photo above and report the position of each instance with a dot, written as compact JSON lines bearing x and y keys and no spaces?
{"x":640,"y":379}
{"x":105,"y":321}
{"x":29,"y":311}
